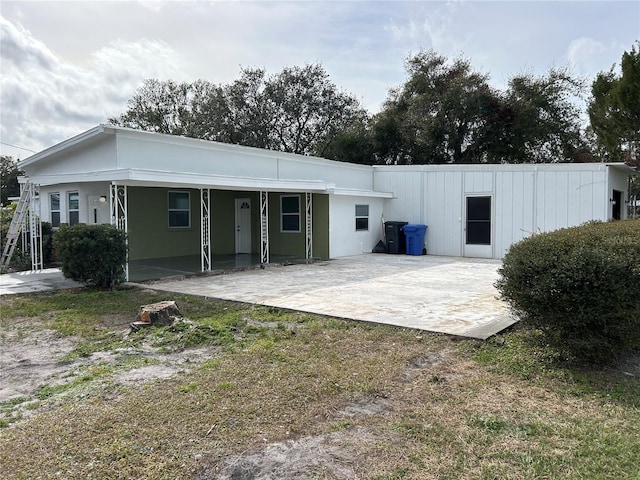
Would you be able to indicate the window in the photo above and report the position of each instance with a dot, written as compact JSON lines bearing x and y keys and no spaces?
{"x":73,"y":208}
{"x":179,"y":209}
{"x":478,"y":220}
{"x":290,"y":213}
{"x":54,"y":209}
{"x":362,"y":217}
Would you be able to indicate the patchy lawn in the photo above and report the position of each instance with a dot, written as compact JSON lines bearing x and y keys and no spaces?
{"x":244,"y":392}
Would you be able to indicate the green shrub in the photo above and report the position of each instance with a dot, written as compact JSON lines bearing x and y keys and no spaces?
{"x":580,"y":286}
{"x":92,"y":254}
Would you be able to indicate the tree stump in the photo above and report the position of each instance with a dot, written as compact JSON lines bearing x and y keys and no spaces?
{"x":161,"y":313}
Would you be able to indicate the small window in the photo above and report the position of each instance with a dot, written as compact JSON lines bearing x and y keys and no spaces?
{"x":54,"y":209}
{"x":179,"y":210}
{"x":290,"y":213}
{"x":73,"y":208}
{"x":362,"y":217}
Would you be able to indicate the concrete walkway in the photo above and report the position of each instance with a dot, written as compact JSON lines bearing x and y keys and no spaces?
{"x":28,"y":282}
{"x":438,"y":294}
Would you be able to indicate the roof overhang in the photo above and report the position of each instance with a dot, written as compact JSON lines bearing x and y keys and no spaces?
{"x":623,"y":167}
{"x":154,"y":178}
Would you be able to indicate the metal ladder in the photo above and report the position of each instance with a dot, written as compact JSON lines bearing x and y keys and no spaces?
{"x":23,"y":211}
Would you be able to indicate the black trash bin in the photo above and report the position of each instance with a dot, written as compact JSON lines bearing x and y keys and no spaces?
{"x":396,"y":242}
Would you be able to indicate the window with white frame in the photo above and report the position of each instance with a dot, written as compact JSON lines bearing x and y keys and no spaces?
{"x":179,"y":209}
{"x":362,"y":217}
{"x":290,"y":213}
{"x":73,"y":208}
{"x":54,"y":209}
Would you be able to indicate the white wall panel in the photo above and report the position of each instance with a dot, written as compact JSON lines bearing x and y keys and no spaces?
{"x":344,"y":240}
{"x":99,"y":155}
{"x":443,"y":199}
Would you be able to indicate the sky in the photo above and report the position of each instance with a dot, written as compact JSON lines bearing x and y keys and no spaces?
{"x":67,"y":66}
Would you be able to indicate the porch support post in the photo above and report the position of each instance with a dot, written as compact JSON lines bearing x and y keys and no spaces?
{"x":264,"y":227}
{"x":35,"y":228}
{"x":309,"y":224}
{"x":118,"y":208}
{"x":205,"y":230}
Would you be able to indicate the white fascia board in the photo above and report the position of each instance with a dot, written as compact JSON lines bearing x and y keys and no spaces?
{"x":152,"y":178}
{"x":360,"y":193}
{"x":497,"y":167}
{"x":83,"y":137}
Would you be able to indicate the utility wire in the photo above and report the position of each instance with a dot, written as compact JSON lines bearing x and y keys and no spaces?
{"x":16,"y":146}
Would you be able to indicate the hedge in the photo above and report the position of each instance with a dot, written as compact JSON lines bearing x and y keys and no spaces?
{"x":580,"y":286}
{"x":92,"y":254}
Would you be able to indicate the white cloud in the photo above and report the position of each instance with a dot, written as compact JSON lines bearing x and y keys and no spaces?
{"x":588,"y":56}
{"x":47,"y":99}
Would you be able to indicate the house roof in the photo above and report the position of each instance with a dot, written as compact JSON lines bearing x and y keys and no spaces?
{"x":140,"y":158}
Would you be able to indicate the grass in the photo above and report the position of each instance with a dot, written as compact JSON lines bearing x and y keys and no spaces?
{"x":458,"y":409}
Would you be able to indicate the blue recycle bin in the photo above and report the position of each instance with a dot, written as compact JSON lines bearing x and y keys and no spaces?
{"x":414,"y":234}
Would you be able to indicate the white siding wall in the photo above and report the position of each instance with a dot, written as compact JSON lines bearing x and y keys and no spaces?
{"x":170,"y":154}
{"x":618,"y":181}
{"x":526,"y":199}
{"x":85,"y":191}
{"x":514,"y":209}
{"x":443,"y":212}
{"x":344,"y":240}
{"x":96,"y":156}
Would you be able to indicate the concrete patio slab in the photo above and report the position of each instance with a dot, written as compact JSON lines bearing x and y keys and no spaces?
{"x":28,"y":282}
{"x":439,"y":294}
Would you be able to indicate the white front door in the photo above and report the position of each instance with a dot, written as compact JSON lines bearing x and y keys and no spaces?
{"x":243,"y":225}
{"x":478,"y":226}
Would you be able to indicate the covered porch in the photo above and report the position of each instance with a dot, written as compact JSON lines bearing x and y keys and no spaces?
{"x":156,"y":268}
{"x":176,"y":229}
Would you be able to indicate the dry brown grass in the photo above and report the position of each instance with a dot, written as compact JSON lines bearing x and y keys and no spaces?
{"x":347,"y":400}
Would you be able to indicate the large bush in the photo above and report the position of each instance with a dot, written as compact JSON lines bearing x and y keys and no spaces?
{"x":580,"y":286}
{"x":92,"y":254}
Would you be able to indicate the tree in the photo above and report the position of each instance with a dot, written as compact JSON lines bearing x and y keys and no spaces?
{"x":544,"y":125}
{"x":161,"y":107}
{"x":9,"y":174}
{"x":447,"y":113}
{"x":614,"y":109}
{"x":298,"y":110}
{"x":437,"y":116}
{"x":308,"y":110}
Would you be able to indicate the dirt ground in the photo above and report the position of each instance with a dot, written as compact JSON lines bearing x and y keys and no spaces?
{"x":33,"y":357}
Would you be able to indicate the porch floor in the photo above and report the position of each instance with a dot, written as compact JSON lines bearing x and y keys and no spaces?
{"x":438,"y":294}
{"x":156,"y":268}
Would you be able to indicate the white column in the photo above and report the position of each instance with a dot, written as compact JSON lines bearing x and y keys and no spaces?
{"x":205,"y":229}
{"x":119,"y":208}
{"x":35,"y":228}
{"x":309,"y":225}
{"x":264,"y":227}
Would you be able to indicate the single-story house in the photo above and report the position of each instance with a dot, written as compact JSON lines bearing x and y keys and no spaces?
{"x":188,"y":201}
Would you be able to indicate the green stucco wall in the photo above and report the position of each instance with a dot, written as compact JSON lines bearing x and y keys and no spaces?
{"x":151,"y":237}
{"x":321,"y":226}
{"x":223,"y":236}
{"x":149,"y":232}
{"x":289,"y":243}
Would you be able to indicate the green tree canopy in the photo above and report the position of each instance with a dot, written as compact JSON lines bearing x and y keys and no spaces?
{"x":9,"y":173}
{"x":298,"y":110}
{"x":447,"y":113}
{"x":614,"y":109}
